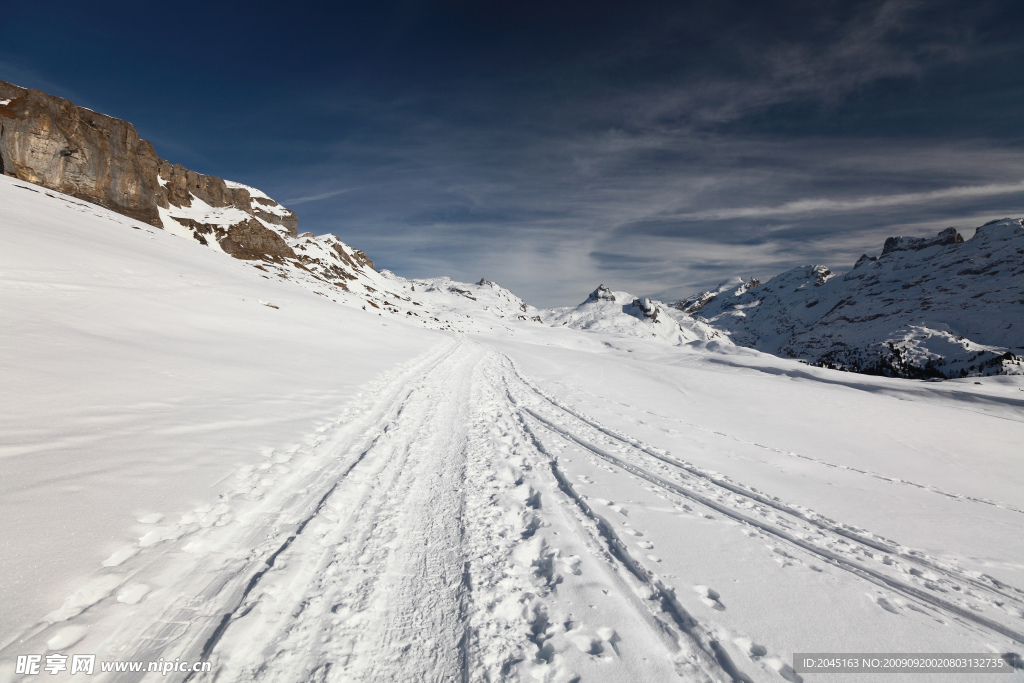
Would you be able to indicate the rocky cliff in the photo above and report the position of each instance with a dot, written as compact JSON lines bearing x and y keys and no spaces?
{"x":51,"y":142}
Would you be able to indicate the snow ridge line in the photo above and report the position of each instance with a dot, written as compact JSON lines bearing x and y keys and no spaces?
{"x":883,"y":545}
{"x":830,"y":557}
{"x":669,"y":603}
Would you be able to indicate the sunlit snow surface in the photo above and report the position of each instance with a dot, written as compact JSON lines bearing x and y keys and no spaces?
{"x":202,"y":460}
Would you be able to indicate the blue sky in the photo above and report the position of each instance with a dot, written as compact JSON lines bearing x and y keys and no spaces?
{"x":657,"y":147}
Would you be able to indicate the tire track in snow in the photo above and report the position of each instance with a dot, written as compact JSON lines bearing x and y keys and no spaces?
{"x":353,"y":597}
{"x":669,"y":604}
{"x":698,"y":652}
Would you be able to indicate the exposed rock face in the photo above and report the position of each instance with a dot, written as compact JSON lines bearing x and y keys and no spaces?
{"x":602,"y":293}
{"x":947,"y":236}
{"x":645,"y":309}
{"x":621,"y":313}
{"x":180,"y":185}
{"x":735,"y":287}
{"x":49,"y":141}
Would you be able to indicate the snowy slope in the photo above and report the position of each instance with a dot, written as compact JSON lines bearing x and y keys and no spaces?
{"x":331,"y":268}
{"x":203,"y":461}
{"x":139,"y":369}
{"x":937,"y":307}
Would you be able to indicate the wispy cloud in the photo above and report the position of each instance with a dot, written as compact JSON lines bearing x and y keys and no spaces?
{"x":827,"y":206}
{"x":318,"y":197}
{"x":659,"y":147}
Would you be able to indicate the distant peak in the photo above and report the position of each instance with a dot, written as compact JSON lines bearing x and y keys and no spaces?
{"x":602,"y":293}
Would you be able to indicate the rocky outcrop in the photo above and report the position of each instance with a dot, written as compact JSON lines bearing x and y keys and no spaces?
{"x":735,"y":287}
{"x":621,"y":313}
{"x":645,"y":309}
{"x":602,"y":293}
{"x":51,"y":142}
{"x":947,"y":236}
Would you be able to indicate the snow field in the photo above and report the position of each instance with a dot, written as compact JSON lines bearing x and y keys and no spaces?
{"x":200,"y":461}
{"x":142,"y":379}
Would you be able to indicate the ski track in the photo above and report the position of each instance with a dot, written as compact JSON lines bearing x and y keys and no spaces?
{"x":818,"y":535}
{"x":818,"y":461}
{"x":429,"y":533}
{"x":431,"y":560}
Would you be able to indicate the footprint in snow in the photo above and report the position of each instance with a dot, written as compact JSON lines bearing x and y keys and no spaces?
{"x":646,"y":545}
{"x":886,"y":604}
{"x":709,"y":597}
{"x":132,"y":594}
{"x":752,"y":649}
{"x":784,"y":670}
{"x":632,"y":532}
{"x":572,"y":564}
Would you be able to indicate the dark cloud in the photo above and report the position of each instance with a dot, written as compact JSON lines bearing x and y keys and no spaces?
{"x":656,"y":146}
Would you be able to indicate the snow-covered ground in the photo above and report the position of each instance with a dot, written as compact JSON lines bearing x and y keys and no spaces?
{"x":201,"y":463}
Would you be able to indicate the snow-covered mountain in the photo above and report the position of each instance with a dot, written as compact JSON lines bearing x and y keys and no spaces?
{"x":938,"y":307}
{"x":50,"y":142}
{"x":621,"y":313}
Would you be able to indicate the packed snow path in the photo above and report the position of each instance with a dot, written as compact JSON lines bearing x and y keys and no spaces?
{"x":458,"y":523}
{"x":429,"y":550}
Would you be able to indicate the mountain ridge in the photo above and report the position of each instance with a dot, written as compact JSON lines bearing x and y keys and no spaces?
{"x":938,"y":307}
{"x":891,"y":314}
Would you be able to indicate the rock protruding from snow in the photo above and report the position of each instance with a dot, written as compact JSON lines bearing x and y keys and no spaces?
{"x":734,"y":286}
{"x":602,"y":293}
{"x":947,"y":236}
{"x":926,"y":307}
